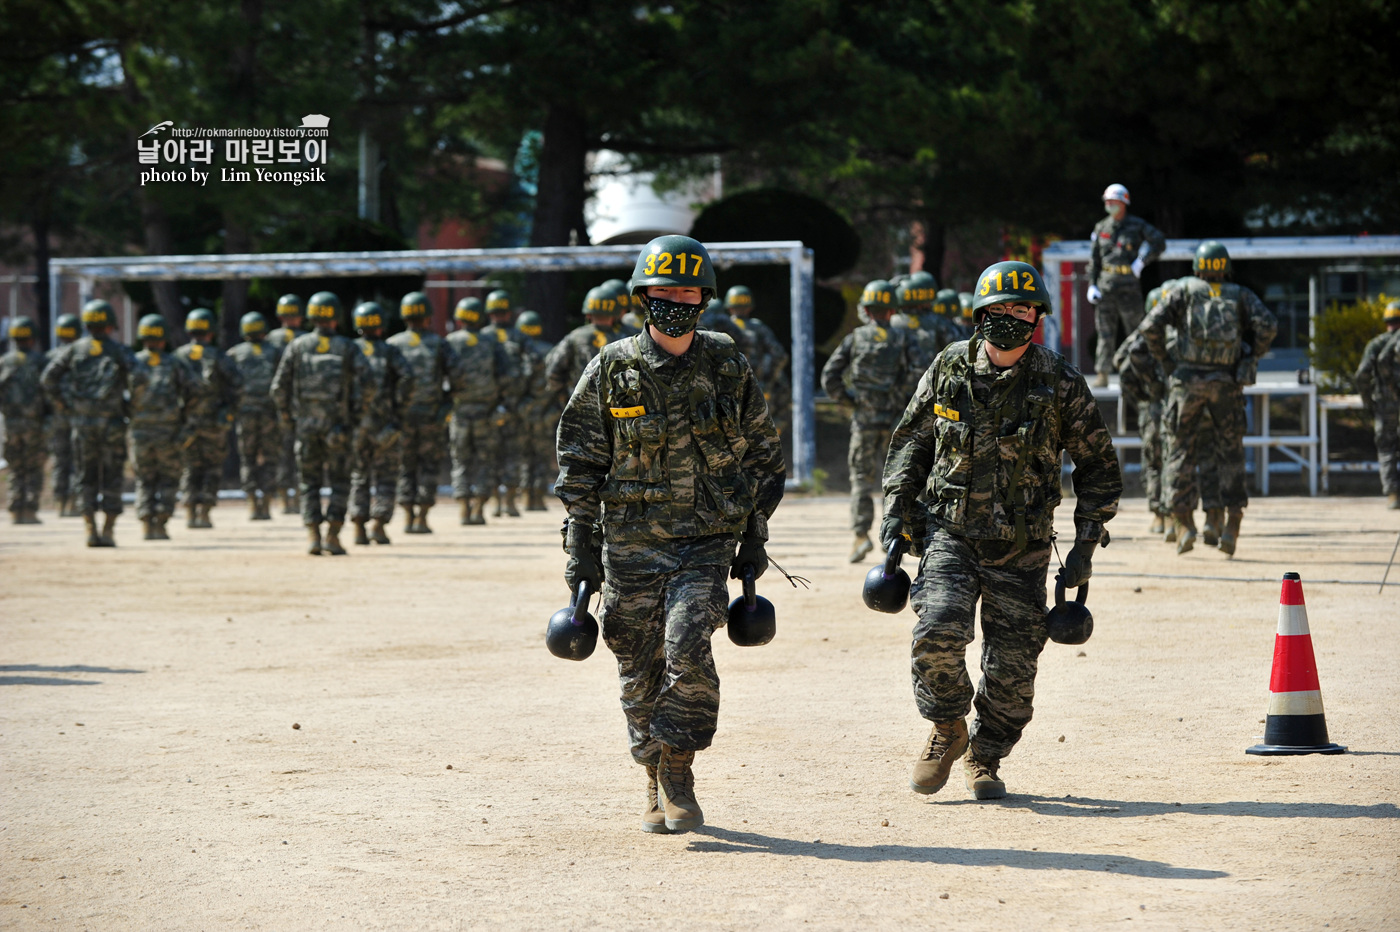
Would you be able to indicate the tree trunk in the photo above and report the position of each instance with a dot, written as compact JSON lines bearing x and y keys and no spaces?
{"x":159,"y":242}
{"x":558,"y":210}
{"x":934,"y":247}
{"x":243,"y":58}
{"x":40,"y":226}
{"x":235,"y":290}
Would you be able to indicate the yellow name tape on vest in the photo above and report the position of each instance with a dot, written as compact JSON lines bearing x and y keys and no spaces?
{"x":949,"y":413}
{"x":638,"y":411}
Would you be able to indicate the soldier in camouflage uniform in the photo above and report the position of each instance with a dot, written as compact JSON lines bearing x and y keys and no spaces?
{"x":633,"y":308}
{"x":570,"y":356}
{"x":207,"y":417}
{"x":1378,"y":382}
{"x":1222,"y":331}
{"x":926,"y":331}
{"x":22,"y":403}
{"x":57,"y":428}
{"x":1120,"y":247}
{"x":255,"y":423}
{"x":162,"y":387}
{"x":766,"y":354}
{"x":667,"y":456}
{"x":539,"y":413}
{"x":869,"y":377}
{"x":981,"y":443}
{"x":385,"y":393}
{"x":433,"y":365}
{"x":290,"y":313}
{"x":87,"y":382}
{"x":512,"y":377}
{"x":316,"y":390}
{"x":717,"y":320}
{"x":474,"y":402}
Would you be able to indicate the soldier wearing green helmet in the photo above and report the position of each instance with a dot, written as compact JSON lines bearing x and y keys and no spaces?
{"x":433,"y":365}
{"x":386,"y":392}
{"x":870,"y":378}
{"x":87,"y":381}
{"x":162,"y":388}
{"x":255,"y":416}
{"x":512,"y":377}
{"x":929,"y":331}
{"x":1222,"y":331}
{"x":317,"y":393}
{"x":56,"y":426}
{"x":766,"y":353}
{"x":22,"y":404}
{"x":667,"y":458}
{"x":539,"y":410}
{"x":291,"y":315}
{"x":473,"y":433}
{"x":972,"y":482}
{"x":208,"y":417}
{"x":1378,"y":383}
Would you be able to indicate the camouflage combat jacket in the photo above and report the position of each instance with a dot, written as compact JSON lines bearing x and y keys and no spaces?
{"x":512,"y":371}
{"x":927,"y":334}
{"x":478,"y":389}
{"x":664,"y":447}
{"x":537,"y":400}
{"x":434,"y":368}
{"x":720,"y":321}
{"x":21,"y":396}
{"x":982,"y":447}
{"x":1222,"y":331}
{"x":386,"y":385}
{"x":256,"y":364}
{"x":870,"y":369}
{"x":1116,"y":244}
{"x":282,"y":337}
{"x":565,"y":363}
{"x":219,"y":382}
{"x":89,"y":377}
{"x":318,"y":379}
{"x":1378,"y":376}
{"x":162,"y":385}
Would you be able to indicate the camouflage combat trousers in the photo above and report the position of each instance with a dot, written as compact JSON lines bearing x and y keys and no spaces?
{"x":538,"y":455}
{"x":870,"y":444}
{"x":508,"y":468}
{"x":155,"y":458}
{"x":24,"y":451}
{"x":259,"y":448}
{"x":323,"y":452}
{"x":659,"y":625}
{"x":1122,"y":304}
{"x":372,"y":482}
{"x":1190,"y":407}
{"x":474,"y":456}
{"x":1387,"y":424}
{"x":61,"y":446}
{"x":954,"y":573}
{"x":206,"y":448}
{"x":287,"y":477}
{"x":423,"y":445}
{"x":99,"y":455}
{"x":1149,"y":416}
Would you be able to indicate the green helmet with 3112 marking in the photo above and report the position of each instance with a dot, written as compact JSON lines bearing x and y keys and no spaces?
{"x":1018,"y":282}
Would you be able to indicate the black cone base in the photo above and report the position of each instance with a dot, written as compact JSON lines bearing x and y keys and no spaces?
{"x":1295,"y":734}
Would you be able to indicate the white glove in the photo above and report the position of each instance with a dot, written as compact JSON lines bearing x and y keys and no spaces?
{"x":1094,"y":294}
{"x":1138,"y":266}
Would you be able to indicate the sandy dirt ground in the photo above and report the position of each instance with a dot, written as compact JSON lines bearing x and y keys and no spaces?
{"x":220,"y":732}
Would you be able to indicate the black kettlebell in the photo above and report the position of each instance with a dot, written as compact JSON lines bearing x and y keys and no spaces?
{"x":752,"y":621}
{"x":1069,"y":622}
{"x":573,"y":632}
{"x":887,"y":587}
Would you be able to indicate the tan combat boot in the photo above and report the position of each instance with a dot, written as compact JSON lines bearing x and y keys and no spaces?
{"x":653,"y":816}
{"x":90,"y":525}
{"x":376,"y":532}
{"x":158,"y":526}
{"x":1170,"y":536}
{"x":191,"y":517}
{"x":254,"y":512}
{"x":204,"y":521}
{"x":1101,"y":380}
{"x":862,"y":546}
{"x":410,"y":521}
{"x":946,"y":743}
{"x":289,"y":502}
{"x":1392,"y":501}
{"x":422,"y":525}
{"x":332,"y":546}
{"x":109,"y":524}
{"x":511,"y":510}
{"x":466,"y":509}
{"x":1158,"y":525}
{"x":361,"y":538}
{"x":536,"y":501}
{"x":675,"y":784}
{"x":65,"y":507}
{"x":982,"y":778}
{"x":1215,"y":520}
{"x":28,"y":516}
{"x":1231,"y":535}
{"x":313,"y":539}
{"x":479,"y":509}
{"x":148,"y":529}
{"x":500,"y":504}
{"x":1185,"y":531}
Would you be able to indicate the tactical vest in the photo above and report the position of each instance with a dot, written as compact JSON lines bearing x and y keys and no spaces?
{"x":23,"y":398}
{"x":381,"y":401}
{"x":203,"y":360}
{"x":1212,"y":331}
{"x":258,"y":364}
{"x":649,"y":465}
{"x":424,"y":354}
{"x":876,"y":368}
{"x":1028,"y":494}
{"x":321,"y":374}
{"x":96,"y":377}
{"x":478,"y":361}
{"x":155,"y":391}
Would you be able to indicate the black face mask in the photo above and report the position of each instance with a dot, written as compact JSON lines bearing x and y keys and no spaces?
{"x":1006,"y":332}
{"x":671,"y":317}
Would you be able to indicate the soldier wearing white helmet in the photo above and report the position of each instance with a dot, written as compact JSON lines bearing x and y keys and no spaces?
{"x":1121,"y":246}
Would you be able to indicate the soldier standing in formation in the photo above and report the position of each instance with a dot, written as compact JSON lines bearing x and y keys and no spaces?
{"x":255,"y":420}
{"x":162,"y":387}
{"x":1121,"y":246}
{"x":765,"y":352}
{"x":432,"y":364}
{"x":385,"y":393}
{"x":87,"y":381}
{"x":22,"y":403}
{"x":316,"y":390}
{"x":869,"y":376}
{"x":512,"y":374}
{"x":474,"y":401}
{"x":207,"y":417}
{"x":1378,"y":381}
{"x":59,"y":431}
{"x":1222,"y":331}
{"x":981,"y":443}
{"x":290,"y":315}
{"x":539,"y":413}
{"x":667,"y":456}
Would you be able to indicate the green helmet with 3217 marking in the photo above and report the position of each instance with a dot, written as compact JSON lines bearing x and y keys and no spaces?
{"x":1017,"y":282}
{"x":675,"y":261}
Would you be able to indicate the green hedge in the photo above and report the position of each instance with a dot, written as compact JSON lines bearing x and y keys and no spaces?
{"x":1339,"y":337}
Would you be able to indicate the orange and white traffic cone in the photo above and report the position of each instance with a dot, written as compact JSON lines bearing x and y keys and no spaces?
{"x":1295,"y":723}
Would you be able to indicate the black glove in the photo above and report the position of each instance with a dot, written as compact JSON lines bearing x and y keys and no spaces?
{"x":1078,"y":565}
{"x":585,"y":552}
{"x":751,"y":550}
{"x":892,"y":529}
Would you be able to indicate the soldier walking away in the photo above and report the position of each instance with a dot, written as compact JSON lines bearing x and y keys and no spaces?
{"x":1378,"y":381}
{"x":87,"y":381}
{"x":162,"y":387}
{"x":667,"y":457}
{"x":512,"y":377}
{"x":22,"y":403}
{"x":432,"y":364}
{"x":255,"y":420}
{"x":868,"y":377}
{"x":384,"y":394}
{"x":474,"y":400}
{"x":57,"y":428}
{"x":316,"y":390}
{"x":291,"y":315}
{"x":1121,"y":246}
{"x":1222,"y":331}
{"x":208,"y":417}
{"x":981,"y":443}
{"x":539,"y":413}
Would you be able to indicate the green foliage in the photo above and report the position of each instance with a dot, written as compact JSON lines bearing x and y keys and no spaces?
{"x":1339,"y":336}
